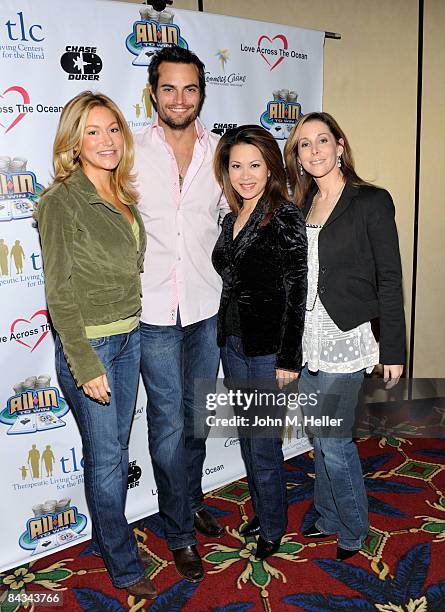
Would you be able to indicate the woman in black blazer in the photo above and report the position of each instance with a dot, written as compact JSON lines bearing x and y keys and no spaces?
{"x":354,"y":276}
{"x":261,"y":257}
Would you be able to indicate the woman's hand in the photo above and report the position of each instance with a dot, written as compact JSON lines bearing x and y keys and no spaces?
{"x":98,"y":389}
{"x":391,"y":375}
{"x":284,"y":377}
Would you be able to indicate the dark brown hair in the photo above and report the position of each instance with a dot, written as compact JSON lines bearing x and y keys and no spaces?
{"x":276,"y":191}
{"x":176,"y":55}
{"x":301,"y":184}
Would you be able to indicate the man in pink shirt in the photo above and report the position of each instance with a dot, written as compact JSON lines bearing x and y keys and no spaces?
{"x":181,"y":205}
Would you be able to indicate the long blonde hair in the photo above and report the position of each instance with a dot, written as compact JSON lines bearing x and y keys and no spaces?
{"x":68,"y":142}
{"x":300,"y":184}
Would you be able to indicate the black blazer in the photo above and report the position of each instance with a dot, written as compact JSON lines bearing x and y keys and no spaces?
{"x":265,"y":267}
{"x":360,"y":276}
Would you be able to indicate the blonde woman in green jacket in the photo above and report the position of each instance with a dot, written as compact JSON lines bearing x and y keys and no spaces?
{"x":93,"y":244}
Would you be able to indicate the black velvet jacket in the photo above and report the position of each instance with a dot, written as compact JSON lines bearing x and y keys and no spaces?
{"x":266,"y":269}
{"x":360,"y":275}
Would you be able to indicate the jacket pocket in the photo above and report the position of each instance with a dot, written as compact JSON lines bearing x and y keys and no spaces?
{"x":105,"y":295}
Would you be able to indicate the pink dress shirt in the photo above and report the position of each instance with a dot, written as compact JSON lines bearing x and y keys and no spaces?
{"x":182,"y":228}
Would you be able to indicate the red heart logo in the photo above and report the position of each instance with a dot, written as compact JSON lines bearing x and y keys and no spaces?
{"x":270,"y":40}
{"x":17,"y":116}
{"x":39,"y":313}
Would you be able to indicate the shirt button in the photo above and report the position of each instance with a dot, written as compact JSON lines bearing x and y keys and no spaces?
{"x":179,"y":259}
{"x":323,"y":269}
{"x":179,"y":233}
{"x":322,"y":289}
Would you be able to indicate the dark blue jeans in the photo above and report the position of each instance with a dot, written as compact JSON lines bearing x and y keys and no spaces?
{"x":339,"y":494}
{"x":105,"y":431}
{"x":173,"y":357}
{"x":263,"y":457}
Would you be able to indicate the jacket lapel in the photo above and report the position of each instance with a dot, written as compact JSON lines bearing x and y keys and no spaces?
{"x":349,"y":192}
{"x":249,"y":231}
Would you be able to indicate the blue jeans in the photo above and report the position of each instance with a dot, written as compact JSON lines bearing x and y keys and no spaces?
{"x":263,"y":457}
{"x":173,"y":357}
{"x":339,"y":493}
{"x":105,"y":431}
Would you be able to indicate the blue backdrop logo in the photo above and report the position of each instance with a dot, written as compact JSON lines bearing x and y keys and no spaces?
{"x":153,"y":32}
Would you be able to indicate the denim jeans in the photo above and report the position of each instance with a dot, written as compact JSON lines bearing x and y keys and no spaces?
{"x":105,"y":431}
{"x":263,"y":457}
{"x":173,"y":357}
{"x":339,"y":493}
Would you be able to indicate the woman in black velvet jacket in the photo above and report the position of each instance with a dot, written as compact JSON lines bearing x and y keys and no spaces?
{"x":261,"y":256}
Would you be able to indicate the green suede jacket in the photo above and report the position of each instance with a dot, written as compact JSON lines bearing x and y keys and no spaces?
{"x":92,"y":267}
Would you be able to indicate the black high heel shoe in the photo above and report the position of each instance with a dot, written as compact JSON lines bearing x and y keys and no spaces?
{"x":250,"y":528}
{"x":343,"y":554}
{"x":313,"y":532}
{"x":266,"y":548}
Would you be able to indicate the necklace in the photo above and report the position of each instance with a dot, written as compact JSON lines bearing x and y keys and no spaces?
{"x":330,"y":209}
{"x":241,"y":220}
{"x":182,"y":170}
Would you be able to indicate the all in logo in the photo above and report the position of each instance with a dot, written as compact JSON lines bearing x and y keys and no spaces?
{"x":35,"y":406}
{"x":153,"y":32}
{"x":281,"y":113}
{"x":81,"y":63}
{"x":19,"y":189}
{"x":54,"y":524}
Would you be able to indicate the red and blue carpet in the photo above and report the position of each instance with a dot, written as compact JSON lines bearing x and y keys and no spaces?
{"x":400,"y":569}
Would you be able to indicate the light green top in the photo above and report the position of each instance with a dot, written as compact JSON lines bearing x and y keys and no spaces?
{"x":122,"y":326}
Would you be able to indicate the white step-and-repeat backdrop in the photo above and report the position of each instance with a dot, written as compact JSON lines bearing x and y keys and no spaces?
{"x":49,"y":51}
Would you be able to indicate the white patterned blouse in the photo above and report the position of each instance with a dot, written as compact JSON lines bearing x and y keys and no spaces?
{"x":325,"y":346}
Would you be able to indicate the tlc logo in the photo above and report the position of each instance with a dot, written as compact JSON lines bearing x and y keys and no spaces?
{"x":19,"y":30}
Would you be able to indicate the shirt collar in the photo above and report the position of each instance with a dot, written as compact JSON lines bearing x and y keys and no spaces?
{"x":80,"y":180}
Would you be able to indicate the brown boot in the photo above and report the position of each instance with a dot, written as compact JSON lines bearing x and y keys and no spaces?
{"x":143,"y":588}
{"x":188,"y":563}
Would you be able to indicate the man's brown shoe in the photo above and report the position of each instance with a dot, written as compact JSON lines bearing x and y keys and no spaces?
{"x":188,"y":563}
{"x":207,"y":524}
{"x":144,"y":556}
{"x":143,"y":588}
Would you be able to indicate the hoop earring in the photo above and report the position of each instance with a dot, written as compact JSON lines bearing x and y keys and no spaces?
{"x":339,"y":161}
{"x":300,"y":168}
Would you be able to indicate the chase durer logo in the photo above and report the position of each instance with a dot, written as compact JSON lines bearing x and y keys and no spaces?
{"x":221,"y":128}
{"x":153,"y":32}
{"x":134,"y":475}
{"x":81,"y":63}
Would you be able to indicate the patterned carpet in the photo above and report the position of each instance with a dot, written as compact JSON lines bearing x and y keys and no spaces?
{"x":400,"y":569}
